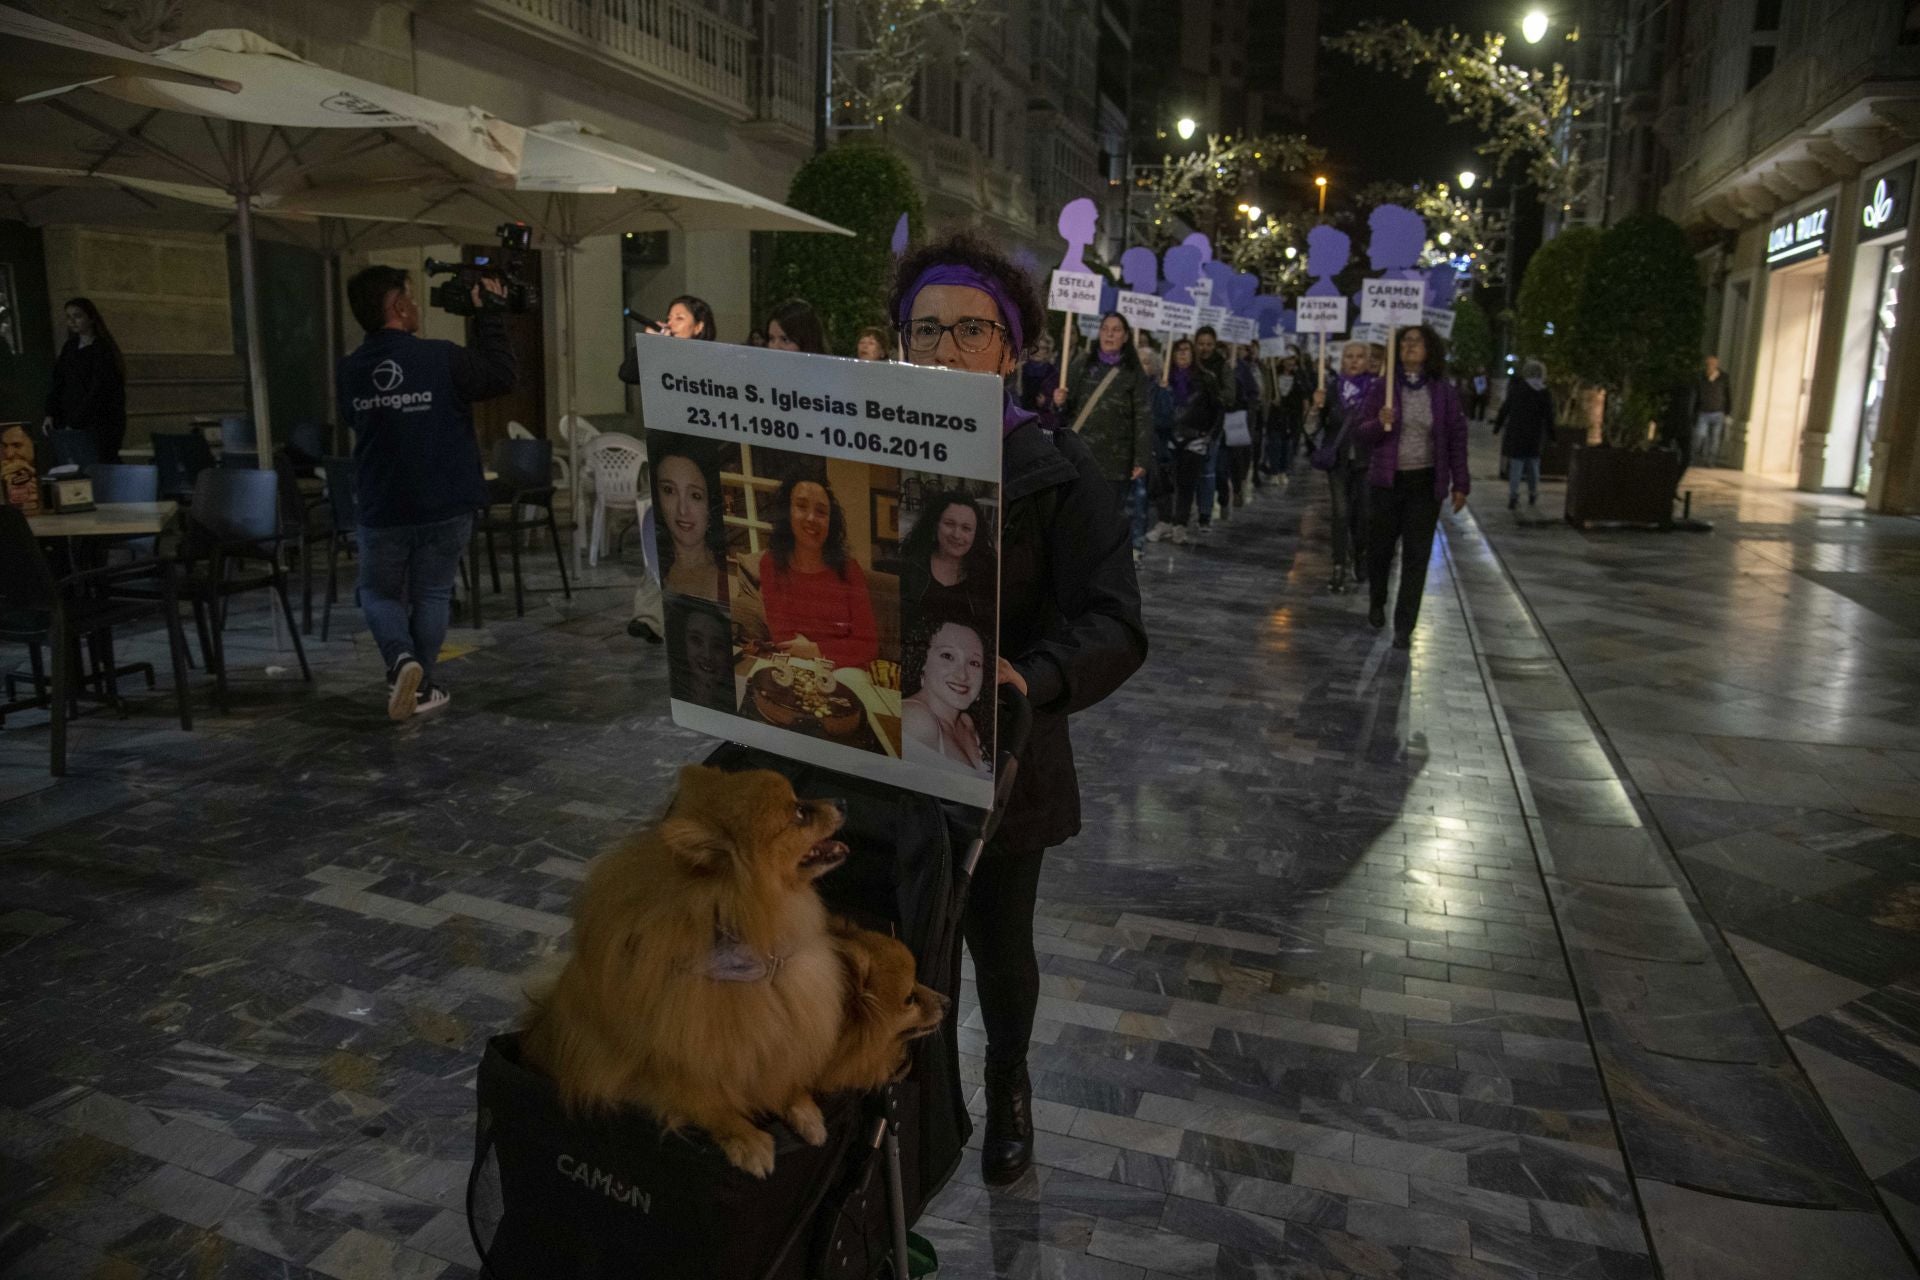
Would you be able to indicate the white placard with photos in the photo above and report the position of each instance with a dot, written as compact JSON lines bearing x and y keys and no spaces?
{"x":802,"y":502}
{"x":1141,"y":310}
{"x":1075,"y":292}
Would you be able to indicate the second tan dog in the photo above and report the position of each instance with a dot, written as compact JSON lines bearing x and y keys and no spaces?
{"x":886,"y":1011}
{"x":704,"y":983}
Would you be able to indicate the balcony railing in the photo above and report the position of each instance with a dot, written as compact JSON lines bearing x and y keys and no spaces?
{"x":671,"y":41}
{"x":786,"y":93}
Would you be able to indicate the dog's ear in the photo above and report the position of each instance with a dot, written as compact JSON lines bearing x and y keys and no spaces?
{"x":696,"y":843}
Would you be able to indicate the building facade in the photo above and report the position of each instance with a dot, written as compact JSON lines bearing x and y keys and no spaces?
{"x":1792,"y":131}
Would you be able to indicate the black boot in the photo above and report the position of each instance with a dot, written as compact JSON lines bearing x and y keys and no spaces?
{"x":1006,"y":1150}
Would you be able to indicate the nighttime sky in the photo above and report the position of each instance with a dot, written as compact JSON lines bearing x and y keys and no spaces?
{"x":1378,"y":127}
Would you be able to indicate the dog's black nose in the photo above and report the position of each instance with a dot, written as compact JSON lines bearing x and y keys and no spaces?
{"x":840,"y":807}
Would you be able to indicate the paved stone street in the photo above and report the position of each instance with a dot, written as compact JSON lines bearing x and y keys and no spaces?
{"x":1473,"y":962}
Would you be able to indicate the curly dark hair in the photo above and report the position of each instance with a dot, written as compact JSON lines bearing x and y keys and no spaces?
{"x":1436,"y":366}
{"x":800,"y":323}
{"x":966,"y":250}
{"x":780,"y":545}
{"x":662,"y":445}
{"x":923,"y":538}
{"x":680,"y":612}
{"x":921,"y":627}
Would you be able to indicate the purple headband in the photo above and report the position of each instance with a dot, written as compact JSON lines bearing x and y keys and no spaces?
{"x":967,"y":277}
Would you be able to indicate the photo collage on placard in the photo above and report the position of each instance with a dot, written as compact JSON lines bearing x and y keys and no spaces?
{"x":947,"y":534}
{"x":790,"y":615}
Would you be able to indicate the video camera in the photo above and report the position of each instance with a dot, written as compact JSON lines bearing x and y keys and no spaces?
{"x":455,"y":296}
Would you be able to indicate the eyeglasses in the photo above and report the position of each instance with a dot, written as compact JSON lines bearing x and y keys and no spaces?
{"x":970,"y":335}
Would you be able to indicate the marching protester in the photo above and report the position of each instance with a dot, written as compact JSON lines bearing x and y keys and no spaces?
{"x":417,"y":473}
{"x":1419,"y":459}
{"x":690,"y":318}
{"x":1526,"y":415}
{"x":1341,"y":455}
{"x":1070,"y":634}
{"x":1187,"y":415}
{"x":1037,"y":379}
{"x":795,"y":326}
{"x":1108,"y":400}
{"x":1246,"y":372}
{"x":874,"y":343}
{"x":1290,"y":394}
{"x":1211,"y":359}
{"x":89,"y":382}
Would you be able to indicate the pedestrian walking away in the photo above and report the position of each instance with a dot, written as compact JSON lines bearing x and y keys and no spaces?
{"x":690,"y":318}
{"x":1211,"y":358}
{"x":1108,"y":401}
{"x":1070,"y":634}
{"x":417,"y":471}
{"x":1419,"y":460}
{"x":1526,"y":417}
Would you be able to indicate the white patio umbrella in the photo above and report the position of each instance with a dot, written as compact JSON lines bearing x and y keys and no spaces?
{"x":291,"y":125}
{"x":573,"y":183}
{"x":39,"y":57}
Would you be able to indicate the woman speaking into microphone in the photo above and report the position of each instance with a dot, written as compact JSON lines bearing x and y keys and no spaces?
{"x":1070,"y":634}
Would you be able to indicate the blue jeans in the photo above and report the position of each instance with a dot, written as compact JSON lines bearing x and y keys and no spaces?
{"x":1517,"y":468}
{"x":406,"y":586}
{"x":1707,"y":429}
{"x":1133,"y":503}
{"x":1210,"y":483}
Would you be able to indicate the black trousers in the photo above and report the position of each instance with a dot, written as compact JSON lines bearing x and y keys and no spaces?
{"x":1347,"y":486}
{"x":1403,"y":516}
{"x":1188,"y":469}
{"x":999,"y":930}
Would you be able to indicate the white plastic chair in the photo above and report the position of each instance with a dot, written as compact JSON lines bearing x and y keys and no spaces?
{"x":617,"y":465}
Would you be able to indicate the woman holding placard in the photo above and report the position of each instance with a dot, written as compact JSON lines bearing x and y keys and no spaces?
{"x":1418,"y":434}
{"x":1070,"y":634}
{"x":1341,"y":455}
{"x":1188,"y":412}
{"x":1108,"y":400}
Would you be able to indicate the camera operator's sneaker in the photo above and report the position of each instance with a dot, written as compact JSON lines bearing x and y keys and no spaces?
{"x":431,"y":699}
{"x":403,"y":683}
{"x":1160,"y":530}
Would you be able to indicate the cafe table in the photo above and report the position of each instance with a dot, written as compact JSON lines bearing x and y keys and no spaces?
{"x":106,"y":520}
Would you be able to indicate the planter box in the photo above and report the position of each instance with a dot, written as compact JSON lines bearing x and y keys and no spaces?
{"x":1556,"y":451}
{"x":1622,"y":486}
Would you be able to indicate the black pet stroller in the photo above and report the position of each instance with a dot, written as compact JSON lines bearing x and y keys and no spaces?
{"x":553,"y":1197}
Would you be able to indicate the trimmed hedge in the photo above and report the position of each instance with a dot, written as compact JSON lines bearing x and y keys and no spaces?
{"x":864,"y":188}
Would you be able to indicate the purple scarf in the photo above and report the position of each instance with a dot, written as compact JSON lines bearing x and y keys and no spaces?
{"x":1107,"y":357}
{"x":1354,"y":389}
{"x":1181,"y":381}
{"x":1011,"y":414}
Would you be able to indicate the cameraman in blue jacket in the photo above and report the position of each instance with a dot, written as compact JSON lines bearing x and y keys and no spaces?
{"x":417,"y":468}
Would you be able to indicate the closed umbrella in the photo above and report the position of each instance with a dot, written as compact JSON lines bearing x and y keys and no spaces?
{"x":291,"y":125}
{"x":40,"y":57}
{"x":573,"y":183}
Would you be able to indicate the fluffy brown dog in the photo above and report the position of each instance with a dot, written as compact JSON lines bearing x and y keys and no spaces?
{"x":704,"y":984}
{"x":887,"y":1010}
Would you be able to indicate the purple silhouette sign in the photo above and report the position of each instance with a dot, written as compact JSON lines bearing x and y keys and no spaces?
{"x":1328,"y":249}
{"x":900,"y":233}
{"x":1140,"y":270}
{"x":1398,"y":236}
{"x":1075,"y":289}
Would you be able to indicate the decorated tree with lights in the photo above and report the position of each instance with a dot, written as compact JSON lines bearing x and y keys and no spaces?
{"x":1275,"y":250}
{"x":1206,"y":188}
{"x":1526,"y":115}
{"x":1459,"y":230}
{"x":892,"y":40}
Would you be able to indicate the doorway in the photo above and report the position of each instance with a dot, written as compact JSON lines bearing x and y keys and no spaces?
{"x":1794,"y":298}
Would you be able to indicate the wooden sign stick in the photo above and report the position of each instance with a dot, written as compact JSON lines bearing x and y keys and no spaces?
{"x":1393,"y":340}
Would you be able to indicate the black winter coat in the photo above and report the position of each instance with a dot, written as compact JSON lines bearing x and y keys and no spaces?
{"x":1069,"y":616}
{"x":1526,"y":416}
{"x":90,"y":394}
{"x":1119,"y":431}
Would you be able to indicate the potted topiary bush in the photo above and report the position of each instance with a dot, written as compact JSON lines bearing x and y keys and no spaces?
{"x":1543,"y":323}
{"x":865,"y":188}
{"x":1636,"y":335}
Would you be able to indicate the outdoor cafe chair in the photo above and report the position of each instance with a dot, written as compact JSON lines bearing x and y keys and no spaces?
{"x":44,"y":609}
{"x":523,"y":479}
{"x":181,"y":457}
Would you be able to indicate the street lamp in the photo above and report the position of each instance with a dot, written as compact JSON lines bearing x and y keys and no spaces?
{"x":1321,"y":183}
{"x":1185,"y":127}
{"x":1534,"y":26}
{"x":1467,"y":178}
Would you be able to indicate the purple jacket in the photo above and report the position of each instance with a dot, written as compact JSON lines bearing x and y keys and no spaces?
{"x":1449,"y":438}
